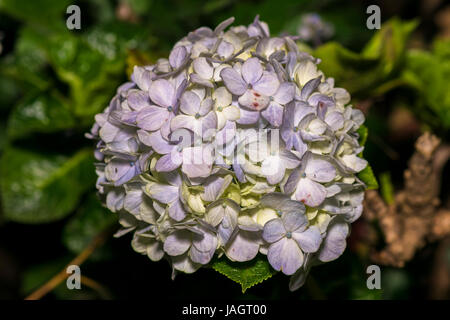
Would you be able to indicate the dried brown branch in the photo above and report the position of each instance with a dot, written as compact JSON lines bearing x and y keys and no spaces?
{"x":98,"y":241}
{"x":415,"y":216}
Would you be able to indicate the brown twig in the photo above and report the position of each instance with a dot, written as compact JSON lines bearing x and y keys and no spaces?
{"x":96,"y":242}
{"x":415,"y":216}
{"x":94,"y":285}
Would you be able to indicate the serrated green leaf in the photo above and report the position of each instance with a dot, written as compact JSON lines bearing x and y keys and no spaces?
{"x":368,"y":177}
{"x":40,"y":188}
{"x":247,"y":274}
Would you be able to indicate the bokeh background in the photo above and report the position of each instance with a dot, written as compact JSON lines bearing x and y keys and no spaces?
{"x":53,"y":81}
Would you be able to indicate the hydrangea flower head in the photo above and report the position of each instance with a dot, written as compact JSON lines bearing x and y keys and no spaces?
{"x":235,"y":145}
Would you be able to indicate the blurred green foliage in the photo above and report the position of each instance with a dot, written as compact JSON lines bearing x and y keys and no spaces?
{"x":53,"y":81}
{"x":428,"y":74}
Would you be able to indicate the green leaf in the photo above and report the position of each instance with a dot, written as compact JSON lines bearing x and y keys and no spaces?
{"x":2,"y":137}
{"x":368,"y":177}
{"x":40,"y":188}
{"x":428,"y":73}
{"x":351,"y":71}
{"x":47,"y":13}
{"x":247,"y":274}
{"x":363,"y":132}
{"x":9,"y":92}
{"x":44,"y":113}
{"x":376,"y":64}
{"x":91,"y":219}
{"x":94,"y":65}
{"x":389,"y":43}
{"x":387,"y":188}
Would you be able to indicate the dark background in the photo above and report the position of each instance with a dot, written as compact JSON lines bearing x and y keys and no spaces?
{"x":45,"y":68}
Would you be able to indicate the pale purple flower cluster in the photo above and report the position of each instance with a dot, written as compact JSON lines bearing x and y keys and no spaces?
{"x":235,"y":145}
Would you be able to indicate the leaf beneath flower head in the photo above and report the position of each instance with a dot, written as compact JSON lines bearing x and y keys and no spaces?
{"x":366,"y":175}
{"x":363,"y":134}
{"x":368,"y":178}
{"x":247,"y":274}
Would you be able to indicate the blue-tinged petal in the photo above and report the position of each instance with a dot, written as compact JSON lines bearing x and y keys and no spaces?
{"x":156,"y":141}
{"x":335,"y":120}
{"x":274,"y":114}
{"x":274,"y":200}
{"x":109,"y":132}
{"x":309,"y":240}
{"x":224,"y":233}
{"x":169,"y":162}
{"x":244,"y":246}
{"x":214,"y":185}
{"x":203,"y":68}
{"x":310,"y":192}
{"x":138,"y":100}
{"x":285,"y":255}
{"x":335,"y":241}
{"x":309,"y":87}
{"x":197,"y":161}
{"x":225,"y":49}
{"x":115,"y":199}
{"x":289,"y":160}
{"x":205,"y":106}
{"x":268,"y":84}
{"x":209,"y":125}
{"x":177,"y":56}
{"x":120,"y":171}
{"x":183,"y":121}
{"x":195,"y":78}
{"x":133,"y":201}
{"x":285,"y":93}
{"x":292,"y":219}
{"x":162,"y":92}
{"x":190,"y":103}
{"x":177,"y":211}
{"x":202,"y":257}
{"x":292,"y":181}
{"x":273,"y":230}
{"x":184,"y":264}
{"x":152,"y":118}
{"x":178,"y":242}
{"x":252,"y":70}
{"x":296,"y":208}
{"x":163,"y":193}
{"x":207,"y":242}
{"x":142,"y":77}
{"x":320,"y":170}
{"x":248,"y":117}
{"x":233,"y":81}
